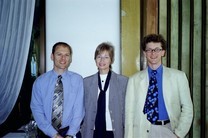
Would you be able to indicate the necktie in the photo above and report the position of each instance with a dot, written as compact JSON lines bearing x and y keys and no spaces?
{"x":57,"y":109}
{"x":151,"y":103}
{"x":100,"y":123}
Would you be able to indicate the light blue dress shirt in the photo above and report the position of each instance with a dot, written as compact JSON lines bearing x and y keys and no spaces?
{"x":42,"y":100}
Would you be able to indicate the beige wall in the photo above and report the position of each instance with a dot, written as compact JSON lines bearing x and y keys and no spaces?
{"x":130,"y":36}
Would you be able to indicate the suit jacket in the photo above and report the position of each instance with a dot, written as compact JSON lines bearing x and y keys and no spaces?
{"x":117,"y":91}
{"x":177,"y":100}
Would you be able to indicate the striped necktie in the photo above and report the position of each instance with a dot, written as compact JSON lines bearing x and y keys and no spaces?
{"x":57,"y":109}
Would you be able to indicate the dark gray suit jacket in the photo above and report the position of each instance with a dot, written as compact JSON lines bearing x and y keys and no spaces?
{"x":117,"y":91}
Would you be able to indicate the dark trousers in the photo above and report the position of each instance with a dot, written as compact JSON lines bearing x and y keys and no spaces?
{"x":108,"y":134}
{"x":61,"y":132}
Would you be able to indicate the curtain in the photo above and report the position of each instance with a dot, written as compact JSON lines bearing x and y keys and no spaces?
{"x":16,"y":20}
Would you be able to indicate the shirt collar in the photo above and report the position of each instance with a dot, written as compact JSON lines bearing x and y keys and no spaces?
{"x":56,"y":74}
{"x":159,"y":69}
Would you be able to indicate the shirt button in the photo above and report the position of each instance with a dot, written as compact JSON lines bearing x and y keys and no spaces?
{"x":147,"y":131}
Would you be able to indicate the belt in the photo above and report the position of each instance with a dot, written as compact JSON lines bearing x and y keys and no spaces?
{"x":162,"y":122}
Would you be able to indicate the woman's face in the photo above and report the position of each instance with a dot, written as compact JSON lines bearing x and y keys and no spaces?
{"x":103,"y":62}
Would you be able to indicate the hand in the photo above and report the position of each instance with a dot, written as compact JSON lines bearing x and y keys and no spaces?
{"x":58,"y":136}
{"x":69,"y":136}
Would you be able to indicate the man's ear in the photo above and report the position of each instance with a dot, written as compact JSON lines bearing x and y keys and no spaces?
{"x":70,"y":60}
{"x":164,"y":53}
{"x":51,"y":56}
{"x":144,"y":53}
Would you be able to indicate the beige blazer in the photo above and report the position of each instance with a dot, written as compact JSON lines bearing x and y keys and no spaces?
{"x":177,"y":99}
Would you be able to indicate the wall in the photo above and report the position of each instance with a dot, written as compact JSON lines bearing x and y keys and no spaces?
{"x":83,"y":25}
{"x":130,"y":36}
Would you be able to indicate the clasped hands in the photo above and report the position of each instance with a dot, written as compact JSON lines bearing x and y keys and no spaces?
{"x":59,"y":136}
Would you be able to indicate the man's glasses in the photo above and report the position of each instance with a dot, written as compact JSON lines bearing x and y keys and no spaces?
{"x":156,"y":50}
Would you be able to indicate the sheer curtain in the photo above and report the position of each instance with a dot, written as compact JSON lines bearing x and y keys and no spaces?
{"x":16,"y":19}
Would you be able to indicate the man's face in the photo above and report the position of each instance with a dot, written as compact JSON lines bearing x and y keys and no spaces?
{"x":61,"y":58}
{"x":154,"y":53}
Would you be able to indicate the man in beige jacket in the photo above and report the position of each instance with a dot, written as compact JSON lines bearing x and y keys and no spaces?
{"x":171,"y":113}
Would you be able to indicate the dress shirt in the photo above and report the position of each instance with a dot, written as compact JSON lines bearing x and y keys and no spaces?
{"x":42,"y":100}
{"x":163,"y":114}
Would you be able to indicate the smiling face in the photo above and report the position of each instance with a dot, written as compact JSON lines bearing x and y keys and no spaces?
{"x":104,"y":57}
{"x":154,"y":54}
{"x":61,"y":58}
{"x":103,"y":62}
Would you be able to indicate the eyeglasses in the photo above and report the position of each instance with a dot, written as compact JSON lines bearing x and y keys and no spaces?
{"x":156,"y":50}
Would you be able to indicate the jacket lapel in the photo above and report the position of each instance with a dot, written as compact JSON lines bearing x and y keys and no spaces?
{"x":94,"y":88}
